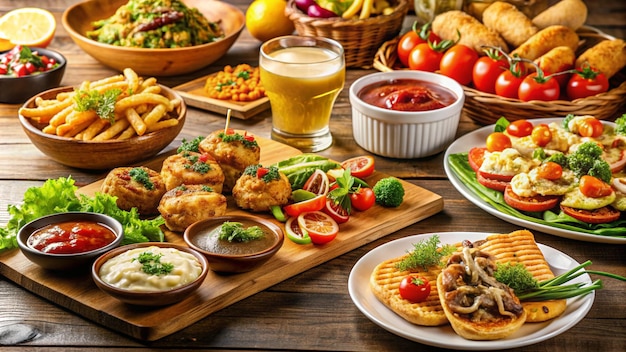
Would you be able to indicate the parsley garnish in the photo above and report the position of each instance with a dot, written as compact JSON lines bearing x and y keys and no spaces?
{"x":151,"y":264}
{"x":102,"y":103}
{"x":426,"y":253}
{"x":236,"y":137}
{"x":235,"y":232}
{"x":190,"y":146}
{"x":140,"y":175}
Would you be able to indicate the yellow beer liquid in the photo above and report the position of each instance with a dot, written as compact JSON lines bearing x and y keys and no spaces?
{"x":302,"y":92}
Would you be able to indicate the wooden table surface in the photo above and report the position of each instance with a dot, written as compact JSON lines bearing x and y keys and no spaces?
{"x":312,"y":310}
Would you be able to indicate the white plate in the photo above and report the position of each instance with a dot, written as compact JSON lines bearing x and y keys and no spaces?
{"x":444,"y":336}
{"x":477,"y":139}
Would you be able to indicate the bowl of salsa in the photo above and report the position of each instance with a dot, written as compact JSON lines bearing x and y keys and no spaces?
{"x":405,"y":114}
{"x":69,"y":241}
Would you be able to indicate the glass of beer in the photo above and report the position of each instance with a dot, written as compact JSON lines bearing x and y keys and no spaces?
{"x":302,"y":77}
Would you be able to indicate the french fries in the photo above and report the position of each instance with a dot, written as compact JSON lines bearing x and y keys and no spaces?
{"x":133,"y":107}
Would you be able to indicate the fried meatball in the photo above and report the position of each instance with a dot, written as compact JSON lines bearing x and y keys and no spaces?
{"x":259,"y":188}
{"x":191,"y":168}
{"x":186,"y":204}
{"x":233,"y":151}
{"x":135,"y":187}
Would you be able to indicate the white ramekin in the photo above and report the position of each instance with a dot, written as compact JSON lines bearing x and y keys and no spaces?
{"x":405,"y":134}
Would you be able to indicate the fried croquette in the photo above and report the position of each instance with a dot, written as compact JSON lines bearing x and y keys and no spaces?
{"x":135,"y":187}
{"x":233,"y":152}
{"x":186,"y":204}
{"x":191,"y":168}
{"x":259,"y":188}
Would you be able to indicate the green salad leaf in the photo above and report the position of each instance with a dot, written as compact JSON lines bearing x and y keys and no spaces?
{"x":59,"y":195}
{"x":460,"y":165}
{"x":299,"y":168}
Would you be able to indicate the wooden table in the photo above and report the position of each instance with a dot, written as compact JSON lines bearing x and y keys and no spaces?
{"x":312,"y":310}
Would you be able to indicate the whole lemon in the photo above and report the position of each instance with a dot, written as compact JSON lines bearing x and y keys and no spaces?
{"x":266,"y":19}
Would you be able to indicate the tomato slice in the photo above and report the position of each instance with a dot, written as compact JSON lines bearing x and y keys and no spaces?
{"x":532,"y":204}
{"x":499,"y":177}
{"x":360,"y":166}
{"x":476,"y":156}
{"x":296,"y":233}
{"x":317,"y":183}
{"x":336,"y":211}
{"x":597,"y":216}
{"x":414,"y":288}
{"x":494,"y":184}
{"x":312,"y":204}
{"x":320,"y":226}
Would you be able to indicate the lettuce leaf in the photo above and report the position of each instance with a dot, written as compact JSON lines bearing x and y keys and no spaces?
{"x":58,"y":196}
{"x":460,"y":165}
{"x":299,"y":168}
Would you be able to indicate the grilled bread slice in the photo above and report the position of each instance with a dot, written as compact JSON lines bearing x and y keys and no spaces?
{"x":478,"y":306}
{"x":520,"y":247}
{"x":385,"y":282}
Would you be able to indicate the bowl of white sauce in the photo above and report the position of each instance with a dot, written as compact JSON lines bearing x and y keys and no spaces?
{"x":150,"y":273}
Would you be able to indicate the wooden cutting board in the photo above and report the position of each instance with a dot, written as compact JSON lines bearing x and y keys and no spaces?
{"x":79,"y":294}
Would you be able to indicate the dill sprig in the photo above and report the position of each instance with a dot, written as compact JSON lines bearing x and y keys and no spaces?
{"x":425,"y":254}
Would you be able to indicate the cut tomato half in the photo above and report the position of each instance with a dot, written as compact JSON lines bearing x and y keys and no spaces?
{"x":533,"y":204}
{"x":295,"y":233}
{"x":499,"y":177}
{"x":312,"y":204}
{"x":336,"y":211}
{"x":596,"y":216}
{"x":475,"y":157}
{"x":320,"y":226}
{"x":317,"y":183}
{"x":496,"y":185}
{"x":360,"y":166}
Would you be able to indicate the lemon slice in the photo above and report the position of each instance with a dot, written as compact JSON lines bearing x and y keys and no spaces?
{"x":28,"y":26}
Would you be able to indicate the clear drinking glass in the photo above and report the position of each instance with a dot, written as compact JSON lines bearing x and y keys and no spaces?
{"x":302,"y":77}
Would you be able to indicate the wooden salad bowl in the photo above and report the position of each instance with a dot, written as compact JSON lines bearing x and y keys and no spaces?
{"x":78,"y":19}
{"x":101,"y":155}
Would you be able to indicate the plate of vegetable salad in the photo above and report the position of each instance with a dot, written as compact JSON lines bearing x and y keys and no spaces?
{"x":553,"y":221}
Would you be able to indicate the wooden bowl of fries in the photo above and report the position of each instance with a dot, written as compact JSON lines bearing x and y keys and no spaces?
{"x":152,"y":127}
{"x":78,"y":20}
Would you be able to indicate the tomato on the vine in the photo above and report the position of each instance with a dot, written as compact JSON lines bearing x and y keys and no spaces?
{"x":410,"y":39}
{"x":414,"y":288}
{"x":427,"y":56}
{"x":508,"y":82}
{"x":520,"y":128}
{"x":363,"y":198}
{"x":498,"y":141}
{"x":486,"y":70}
{"x":456,"y":61}
{"x":535,"y":86}
{"x":586,"y":82}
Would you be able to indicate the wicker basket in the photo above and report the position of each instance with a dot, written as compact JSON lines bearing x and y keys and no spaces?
{"x":486,"y":108}
{"x":359,"y":38}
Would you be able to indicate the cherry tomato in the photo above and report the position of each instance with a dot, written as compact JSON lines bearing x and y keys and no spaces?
{"x":593,"y":187}
{"x":590,"y":127}
{"x":486,"y":70}
{"x":317,"y":183}
{"x":312,"y":204}
{"x":498,"y":141}
{"x":424,"y":58}
{"x":541,"y":135}
{"x":410,"y":39}
{"x":531,"y":204}
{"x":338,"y":213}
{"x":414,"y":288}
{"x":456,"y":61}
{"x":536,"y":87}
{"x":597,"y":216}
{"x":508,"y":82}
{"x":520,"y":128}
{"x":362,"y":199}
{"x":550,"y":171}
{"x":360,"y":166}
{"x":475,"y":157}
{"x":586,"y":82}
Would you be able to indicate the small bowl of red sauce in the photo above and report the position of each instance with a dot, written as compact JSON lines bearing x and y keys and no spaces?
{"x":69,"y":241}
{"x":405,"y":114}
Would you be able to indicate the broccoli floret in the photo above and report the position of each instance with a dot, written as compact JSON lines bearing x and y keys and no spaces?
{"x":558,"y":158}
{"x":602,"y":170}
{"x":586,"y":157}
{"x":566,"y":121}
{"x":389,"y":192}
{"x":620,"y":127}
